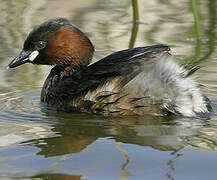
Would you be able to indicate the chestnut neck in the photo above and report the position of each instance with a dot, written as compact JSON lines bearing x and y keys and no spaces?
{"x":70,"y":49}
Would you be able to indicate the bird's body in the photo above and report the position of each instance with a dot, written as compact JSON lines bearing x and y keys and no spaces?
{"x":138,"y":81}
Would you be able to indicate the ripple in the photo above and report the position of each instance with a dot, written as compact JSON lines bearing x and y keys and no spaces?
{"x":22,"y":106}
{"x":22,"y":119}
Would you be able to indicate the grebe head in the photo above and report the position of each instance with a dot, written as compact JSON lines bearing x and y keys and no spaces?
{"x":56,"y":42}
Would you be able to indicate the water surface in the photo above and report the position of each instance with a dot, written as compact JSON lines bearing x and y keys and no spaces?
{"x":40,"y":143}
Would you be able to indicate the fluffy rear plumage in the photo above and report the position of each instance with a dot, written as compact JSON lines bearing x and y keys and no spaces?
{"x":169,"y":85}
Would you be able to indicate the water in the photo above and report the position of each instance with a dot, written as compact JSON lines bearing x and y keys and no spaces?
{"x":39,"y":143}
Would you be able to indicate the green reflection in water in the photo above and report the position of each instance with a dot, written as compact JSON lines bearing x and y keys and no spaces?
{"x":209,"y":45}
{"x":172,"y":162}
{"x":135,"y":27}
{"x":192,"y":61}
{"x":210,"y":32}
{"x":196,"y":18}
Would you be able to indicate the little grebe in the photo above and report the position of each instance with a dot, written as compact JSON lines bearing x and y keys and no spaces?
{"x":138,"y":81}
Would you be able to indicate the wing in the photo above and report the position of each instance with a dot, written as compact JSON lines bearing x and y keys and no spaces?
{"x":116,"y":69}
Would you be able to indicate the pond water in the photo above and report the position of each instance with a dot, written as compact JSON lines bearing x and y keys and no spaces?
{"x":40,"y":143}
